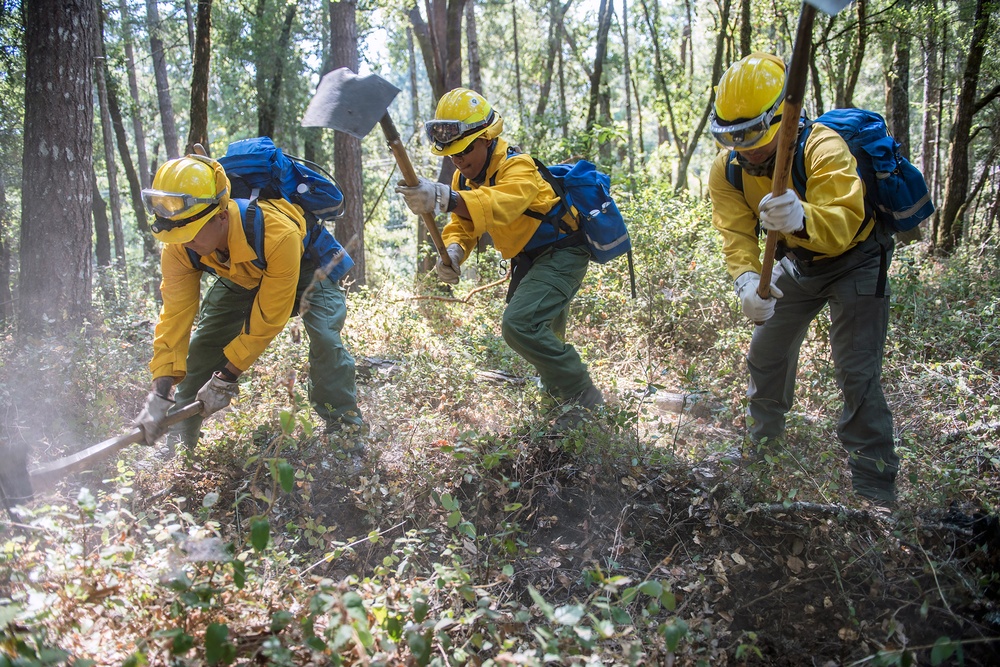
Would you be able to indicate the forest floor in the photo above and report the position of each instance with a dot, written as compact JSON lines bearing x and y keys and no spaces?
{"x":468,"y":535}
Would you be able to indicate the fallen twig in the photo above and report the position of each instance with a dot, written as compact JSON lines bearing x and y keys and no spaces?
{"x":817,"y":508}
{"x":451,"y":299}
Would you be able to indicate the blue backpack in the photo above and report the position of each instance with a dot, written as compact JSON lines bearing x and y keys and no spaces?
{"x":895,"y":191}
{"x":581,"y":186}
{"x":257,"y":169}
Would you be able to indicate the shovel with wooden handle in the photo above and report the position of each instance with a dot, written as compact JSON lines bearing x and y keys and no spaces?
{"x":788,"y":131}
{"x":353,"y":104}
{"x":19,"y":483}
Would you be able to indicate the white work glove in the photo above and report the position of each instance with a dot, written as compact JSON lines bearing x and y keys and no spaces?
{"x":783,"y":213}
{"x":150,"y":420}
{"x":217,"y":394}
{"x":426,"y":196}
{"x":451,"y":274}
{"x":758,"y":309}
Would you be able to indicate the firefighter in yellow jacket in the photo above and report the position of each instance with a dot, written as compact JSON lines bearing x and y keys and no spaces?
{"x":250,"y":301}
{"x":831,"y":252}
{"x":496,"y":189}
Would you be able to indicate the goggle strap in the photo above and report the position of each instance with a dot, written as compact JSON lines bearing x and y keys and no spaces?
{"x":166,"y":224}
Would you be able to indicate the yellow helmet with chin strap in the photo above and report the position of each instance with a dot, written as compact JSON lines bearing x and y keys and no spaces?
{"x":749,"y":100}
{"x":462,"y":116}
{"x":187,"y":192}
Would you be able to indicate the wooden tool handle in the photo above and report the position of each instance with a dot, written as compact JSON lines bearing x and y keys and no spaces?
{"x":788,"y":132}
{"x":52,"y":471}
{"x":410,"y":178}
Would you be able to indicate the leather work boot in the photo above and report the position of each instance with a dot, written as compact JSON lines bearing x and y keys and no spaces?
{"x":580,"y":409}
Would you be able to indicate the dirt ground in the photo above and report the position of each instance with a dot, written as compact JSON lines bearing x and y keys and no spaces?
{"x":796,"y":583}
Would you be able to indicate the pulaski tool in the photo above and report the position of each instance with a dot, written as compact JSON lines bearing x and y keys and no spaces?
{"x":19,"y":484}
{"x":353,"y":104}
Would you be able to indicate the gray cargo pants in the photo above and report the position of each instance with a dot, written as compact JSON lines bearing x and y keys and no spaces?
{"x":858,"y":326}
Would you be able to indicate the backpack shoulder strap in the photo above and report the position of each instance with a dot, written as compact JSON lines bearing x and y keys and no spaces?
{"x":734,"y":172}
{"x":799,"y":160}
{"x":253,"y":226}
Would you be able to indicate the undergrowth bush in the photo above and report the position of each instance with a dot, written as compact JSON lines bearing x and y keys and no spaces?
{"x":468,"y":535}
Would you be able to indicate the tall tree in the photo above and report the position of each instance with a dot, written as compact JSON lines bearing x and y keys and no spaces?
{"x":597,"y":74}
{"x":6,"y":301}
{"x":347,"y":149}
{"x":198,"y":133}
{"x":56,"y":177}
{"x":162,"y":82}
{"x":898,"y":97}
{"x":107,"y":135}
{"x":949,"y":232}
{"x":270,"y":65}
{"x":133,"y":87}
{"x":472,"y":48}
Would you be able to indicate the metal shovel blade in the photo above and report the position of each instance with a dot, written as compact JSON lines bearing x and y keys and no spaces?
{"x":349,"y":103}
{"x":830,"y":7}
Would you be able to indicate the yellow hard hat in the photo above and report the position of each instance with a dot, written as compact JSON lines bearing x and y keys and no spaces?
{"x":462,"y":116}
{"x":748,"y":103}
{"x":187,"y":192}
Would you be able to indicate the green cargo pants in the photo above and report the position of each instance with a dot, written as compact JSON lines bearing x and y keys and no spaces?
{"x":858,"y":325}
{"x":534,"y":323}
{"x":224,"y":311}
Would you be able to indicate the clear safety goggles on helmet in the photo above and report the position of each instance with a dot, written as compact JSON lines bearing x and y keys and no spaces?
{"x":173,"y":209}
{"x":172,"y":204}
{"x":444,"y":132}
{"x":745,"y":134}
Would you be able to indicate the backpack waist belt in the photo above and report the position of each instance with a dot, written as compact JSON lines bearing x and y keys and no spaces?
{"x":523,"y":261}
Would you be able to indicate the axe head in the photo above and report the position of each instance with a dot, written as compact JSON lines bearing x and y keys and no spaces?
{"x":349,"y":103}
{"x":831,"y":7}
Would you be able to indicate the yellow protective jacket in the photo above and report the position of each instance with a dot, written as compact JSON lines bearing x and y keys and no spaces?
{"x":834,"y":205}
{"x":284,"y":231}
{"x":512,"y":186}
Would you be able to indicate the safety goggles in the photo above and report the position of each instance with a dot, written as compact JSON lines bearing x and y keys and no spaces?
{"x":744,"y":134}
{"x":174,"y":204}
{"x":444,"y":132}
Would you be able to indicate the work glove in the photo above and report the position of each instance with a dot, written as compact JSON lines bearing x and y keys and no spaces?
{"x":757,"y":309}
{"x":451,"y":274}
{"x":783,"y":213}
{"x":217,"y":394}
{"x":426,"y":196}
{"x":150,"y":420}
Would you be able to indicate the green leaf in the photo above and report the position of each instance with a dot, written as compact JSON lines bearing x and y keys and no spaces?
{"x":674,"y":633}
{"x":454,"y":519}
{"x":210,"y":499}
{"x":280,"y":620}
{"x":260,"y":533}
{"x":652,"y":588}
{"x":286,"y":476}
{"x":448,"y":502}
{"x":215,"y":642}
{"x":419,"y":647}
{"x":287,"y":422}
{"x":943,"y":649}
{"x":546,"y":608}
{"x":569,"y":614}
{"x":239,"y":574}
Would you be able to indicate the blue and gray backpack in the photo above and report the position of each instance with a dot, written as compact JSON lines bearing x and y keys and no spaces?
{"x":257,"y":169}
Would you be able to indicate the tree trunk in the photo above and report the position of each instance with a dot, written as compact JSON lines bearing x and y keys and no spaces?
{"x":102,"y":244}
{"x":414,"y":86}
{"x":691,"y":142}
{"x":6,"y":301}
{"x":56,"y":188}
{"x":140,"y":138}
{"x":898,"y":107}
{"x":746,"y":29}
{"x":603,"y":28}
{"x":270,"y":72}
{"x":347,"y":149}
{"x":517,"y":63}
{"x":956,"y":187}
{"x":854,"y":68}
{"x":135,"y":187}
{"x":472,"y":48}
{"x":628,"y":90}
{"x":198,"y":133}
{"x":162,"y":82}
{"x":189,"y":21}
{"x":107,"y":134}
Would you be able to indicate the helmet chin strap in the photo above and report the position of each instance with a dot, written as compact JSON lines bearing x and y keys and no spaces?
{"x":765,"y":168}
